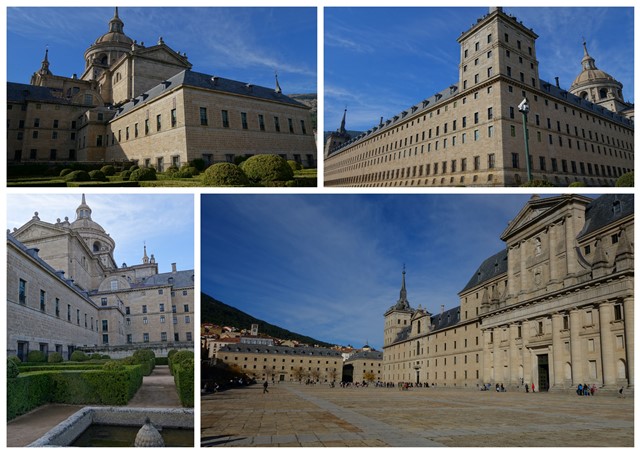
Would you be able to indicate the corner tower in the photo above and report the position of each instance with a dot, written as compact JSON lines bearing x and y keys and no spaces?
{"x":398,"y":317}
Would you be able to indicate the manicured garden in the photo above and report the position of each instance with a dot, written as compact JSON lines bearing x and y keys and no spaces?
{"x":263,"y":170}
{"x":85,"y":379}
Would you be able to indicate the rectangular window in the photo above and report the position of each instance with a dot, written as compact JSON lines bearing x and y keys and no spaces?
{"x":163,"y":336}
{"x":261,"y":122}
{"x":490,"y":113}
{"x":161,"y":308}
{"x":186,"y":308}
{"x":146,"y":126}
{"x":187,"y":319}
{"x":105,"y":338}
{"x":43,"y":300}
{"x":22,"y":292}
{"x":144,"y":309}
{"x":243,"y":116}
{"x":162,"y":319}
{"x":203,"y":116}
{"x":135,"y":130}
{"x":302,"y":126}
{"x":276,"y":123}
{"x":290,"y":125}
{"x":103,"y":301}
{"x":145,"y":337}
{"x":105,"y":325}
{"x":158,"y":122}
{"x":174,"y":118}
{"x":492,"y":160}
{"x":515,"y":160}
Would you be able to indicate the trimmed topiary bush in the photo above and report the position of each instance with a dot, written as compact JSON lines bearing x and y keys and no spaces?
{"x":199,"y":164}
{"x":105,"y":356}
{"x":295,"y":166}
{"x":183,"y":377}
{"x":55,"y":357}
{"x":95,"y":356}
{"x":625,"y":180}
{"x":12,"y":369}
{"x":188,"y":172}
{"x":65,"y":172}
{"x":125,"y":175}
{"x":143,"y":174}
{"x":113,"y":365}
{"x":108,"y":170}
{"x":577,"y":184}
{"x":267,"y":168}
{"x":77,"y":176}
{"x":537,"y":183}
{"x":134,"y":167}
{"x":97,"y":175}
{"x":224,"y":174}
{"x":79,"y":356}
{"x":36,"y":356}
{"x":15,"y":359}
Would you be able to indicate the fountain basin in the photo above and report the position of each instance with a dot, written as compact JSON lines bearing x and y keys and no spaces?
{"x":69,"y":430}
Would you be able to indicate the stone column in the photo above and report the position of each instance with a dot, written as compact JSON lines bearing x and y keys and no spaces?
{"x":486,"y":356}
{"x":608,"y":364}
{"x":557,"y":379}
{"x":511,"y":280}
{"x":628,"y":336}
{"x":513,"y":355}
{"x":497,"y":358}
{"x":526,"y":353}
{"x":572,"y":258}
{"x":524,"y":280}
{"x":576,"y":348}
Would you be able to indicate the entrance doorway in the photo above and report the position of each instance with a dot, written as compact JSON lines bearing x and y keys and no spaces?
{"x":543,"y":372}
{"x":347,"y":373}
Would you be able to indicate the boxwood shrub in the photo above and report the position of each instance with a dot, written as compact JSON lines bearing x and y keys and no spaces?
{"x":183,"y":377}
{"x":55,"y":357}
{"x":36,"y":356}
{"x":106,"y":387}
{"x":79,"y":356}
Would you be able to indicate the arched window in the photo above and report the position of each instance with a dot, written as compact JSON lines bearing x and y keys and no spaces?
{"x":584,"y":95}
{"x":603,"y":93}
{"x":96,"y":246}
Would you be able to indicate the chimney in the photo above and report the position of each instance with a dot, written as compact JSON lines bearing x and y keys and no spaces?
{"x":558,"y":82}
{"x":441,"y":309}
{"x":173,"y":268}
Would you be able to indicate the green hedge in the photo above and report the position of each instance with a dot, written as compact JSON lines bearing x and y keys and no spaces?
{"x":29,"y":367}
{"x":183,"y":377}
{"x":30,"y":390}
{"x":162,"y":360}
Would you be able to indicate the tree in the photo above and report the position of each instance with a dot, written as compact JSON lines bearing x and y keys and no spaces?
{"x":299,"y":374}
{"x":369,"y":376}
{"x":315,"y":375}
{"x":625,"y":180}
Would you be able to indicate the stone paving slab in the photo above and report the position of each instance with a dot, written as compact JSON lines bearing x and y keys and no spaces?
{"x":319,"y":416}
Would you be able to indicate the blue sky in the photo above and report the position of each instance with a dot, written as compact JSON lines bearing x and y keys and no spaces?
{"x":164,"y":222}
{"x":329,"y":266}
{"x":244,"y":44}
{"x":379,"y":61}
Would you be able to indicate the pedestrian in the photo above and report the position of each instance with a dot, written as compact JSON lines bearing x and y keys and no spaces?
{"x":579,"y":390}
{"x":264,"y":387}
{"x":620,"y":395}
{"x":526,"y":388}
{"x":593,"y":389}
{"x":585,"y":390}
{"x":533,"y":388}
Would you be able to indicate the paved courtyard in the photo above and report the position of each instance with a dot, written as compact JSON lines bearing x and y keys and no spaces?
{"x":318,"y":416}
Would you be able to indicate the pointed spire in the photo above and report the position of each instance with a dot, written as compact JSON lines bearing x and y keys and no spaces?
{"x":44,"y":68}
{"x":342,"y":129}
{"x":403,"y":303}
{"x":115,"y":24}
{"x":587,"y":60}
{"x":278,"y":89}
{"x":145,"y":258}
{"x":83,"y":211}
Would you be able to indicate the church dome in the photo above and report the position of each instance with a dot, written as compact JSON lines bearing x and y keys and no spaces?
{"x":592,"y":83}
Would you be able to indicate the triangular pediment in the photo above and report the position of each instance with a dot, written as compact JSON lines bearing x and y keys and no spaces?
{"x":36,"y":229}
{"x":536,"y":210}
{"x":163,"y":53}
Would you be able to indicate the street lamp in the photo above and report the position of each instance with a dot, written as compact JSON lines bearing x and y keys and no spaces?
{"x":524,"y":108}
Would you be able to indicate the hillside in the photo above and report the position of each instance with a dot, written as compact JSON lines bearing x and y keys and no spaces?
{"x":216,"y":312}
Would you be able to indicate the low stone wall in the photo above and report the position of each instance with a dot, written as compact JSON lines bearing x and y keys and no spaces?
{"x":120,"y":352}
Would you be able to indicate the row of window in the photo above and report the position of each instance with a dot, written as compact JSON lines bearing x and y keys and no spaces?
{"x":161,"y":308}
{"x":162,"y":319}
{"x":145,"y":337}
{"x":56,"y":307}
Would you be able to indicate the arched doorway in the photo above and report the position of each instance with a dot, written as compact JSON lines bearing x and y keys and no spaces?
{"x":347,"y":373}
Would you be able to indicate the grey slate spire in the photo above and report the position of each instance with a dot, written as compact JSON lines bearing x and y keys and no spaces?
{"x":403,"y":303}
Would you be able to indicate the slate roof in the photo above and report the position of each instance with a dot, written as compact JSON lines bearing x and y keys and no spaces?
{"x":490,"y":268}
{"x":444,"y":95}
{"x":367,"y":355}
{"x":446,"y":319}
{"x":606,"y":209}
{"x":20,"y":92}
{"x":199,"y":80}
{"x":181,"y":279}
{"x":284,"y":350}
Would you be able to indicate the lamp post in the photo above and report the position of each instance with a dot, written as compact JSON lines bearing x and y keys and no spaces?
{"x":524,"y":108}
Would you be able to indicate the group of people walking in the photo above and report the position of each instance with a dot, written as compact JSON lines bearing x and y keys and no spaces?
{"x":586,"y":390}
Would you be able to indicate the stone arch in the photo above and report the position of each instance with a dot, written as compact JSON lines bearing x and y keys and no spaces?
{"x":584,"y":95}
{"x":603,"y":93}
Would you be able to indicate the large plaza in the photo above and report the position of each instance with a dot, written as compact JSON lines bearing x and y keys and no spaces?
{"x":319,"y":416}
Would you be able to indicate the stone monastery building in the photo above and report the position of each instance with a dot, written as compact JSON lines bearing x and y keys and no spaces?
{"x":471,"y":133}
{"x":554,"y":308}
{"x":144,"y":103}
{"x":65,"y":291}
